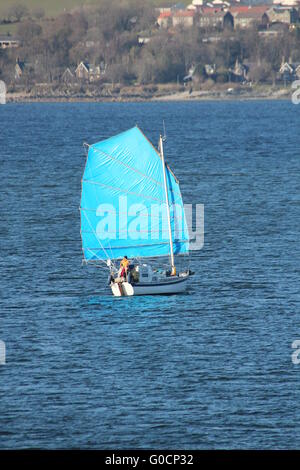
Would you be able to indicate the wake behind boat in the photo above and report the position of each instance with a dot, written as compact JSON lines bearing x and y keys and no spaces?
{"x":132,"y":208}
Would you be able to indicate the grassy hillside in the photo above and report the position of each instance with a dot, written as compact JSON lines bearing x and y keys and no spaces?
{"x":54,"y":7}
{"x":8,"y":29}
{"x":51,"y":7}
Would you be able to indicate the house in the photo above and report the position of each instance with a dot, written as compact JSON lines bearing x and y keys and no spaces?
{"x":68,"y":76}
{"x":165,"y":19}
{"x":210,"y":70}
{"x":239,"y":73}
{"x":286,"y":68}
{"x":7,"y":42}
{"x":189,"y":76}
{"x":88,"y":72}
{"x":191,"y":7}
{"x":247,"y":15}
{"x":215,"y":17}
{"x":297,"y":70}
{"x":82,"y":71}
{"x":19,"y":69}
{"x":197,"y":3}
{"x":289,"y":71}
{"x":144,"y":39}
{"x":94,"y":73}
{"x":220,"y":3}
{"x":286,"y":15}
{"x":289,"y":3}
{"x":184,"y":18}
{"x":177,"y":17}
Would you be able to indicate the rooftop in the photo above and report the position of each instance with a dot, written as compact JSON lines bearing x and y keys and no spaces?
{"x":184,"y":13}
{"x":165,"y":14}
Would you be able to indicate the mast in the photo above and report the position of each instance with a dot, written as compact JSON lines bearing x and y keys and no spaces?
{"x":173,"y":271}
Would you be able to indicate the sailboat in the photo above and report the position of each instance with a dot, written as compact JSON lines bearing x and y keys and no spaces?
{"x":131,"y":205}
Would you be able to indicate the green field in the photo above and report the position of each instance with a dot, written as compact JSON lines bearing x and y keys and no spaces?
{"x":51,"y":7}
{"x":8,"y":29}
{"x":54,"y":7}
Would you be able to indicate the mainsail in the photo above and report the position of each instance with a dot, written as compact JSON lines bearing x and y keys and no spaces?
{"x":123,"y":210}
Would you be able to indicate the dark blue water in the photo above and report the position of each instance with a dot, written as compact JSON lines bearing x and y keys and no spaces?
{"x":210,"y":369}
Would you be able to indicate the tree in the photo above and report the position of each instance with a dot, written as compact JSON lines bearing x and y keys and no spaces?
{"x":27,"y":31}
{"x":38,"y":13}
{"x":260,"y":72}
{"x":18,"y":11}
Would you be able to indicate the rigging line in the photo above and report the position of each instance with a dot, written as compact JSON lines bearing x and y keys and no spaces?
{"x":81,"y":195}
{"x":101,"y":246}
{"x":87,"y":164}
{"x":90,"y":223}
{"x":94,"y":254}
{"x":121,"y":190}
{"x":134,"y":169}
{"x":124,"y":191}
{"x":95,"y":197}
{"x":93,"y":231}
{"x":126,"y":165}
{"x":156,"y":151}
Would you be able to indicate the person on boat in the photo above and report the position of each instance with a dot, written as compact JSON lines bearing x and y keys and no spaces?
{"x":124,"y":265}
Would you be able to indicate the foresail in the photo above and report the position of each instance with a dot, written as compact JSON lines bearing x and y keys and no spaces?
{"x":123,"y":209}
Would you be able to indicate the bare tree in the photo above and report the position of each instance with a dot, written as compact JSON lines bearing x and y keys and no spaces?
{"x":38,"y":13}
{"x":17,"y":11}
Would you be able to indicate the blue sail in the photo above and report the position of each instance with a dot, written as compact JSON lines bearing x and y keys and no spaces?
{"x":123,"y":210}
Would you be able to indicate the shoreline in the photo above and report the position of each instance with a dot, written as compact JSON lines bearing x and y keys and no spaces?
{"x":182,"y":96}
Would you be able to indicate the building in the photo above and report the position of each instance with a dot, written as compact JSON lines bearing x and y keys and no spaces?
{"x":221,"y":14}
{"x":82,"y":71}
{"x":94,"y":73}
{"x":214,"y":18}
{"x":184,"y":18}
{"x":246,"y":15}
{"x":19,"y":69}
{"x":177,"y":17}
{"x":8,"y":42}
{"x":68,"y":76}
{"x":165,"y":19}
{"x":289,"y":71}
{"x":239,"y":73}
{"x":288,"y":15}
{"x":210,"y":70}
{"x":88,"y":72}
{"x":142,"y":40}
{"x":289,"y":3}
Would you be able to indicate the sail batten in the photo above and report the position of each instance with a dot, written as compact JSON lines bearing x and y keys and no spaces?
{"x":123,"y":201}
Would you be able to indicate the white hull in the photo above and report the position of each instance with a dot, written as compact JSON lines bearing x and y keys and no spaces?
{"x":175,"y":286}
